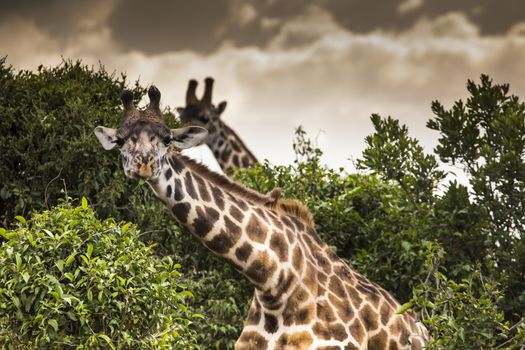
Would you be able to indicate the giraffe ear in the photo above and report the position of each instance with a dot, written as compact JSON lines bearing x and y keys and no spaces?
{"x":188,"y":137}
{"x":106,"y":136}
{"x":221,"y":107}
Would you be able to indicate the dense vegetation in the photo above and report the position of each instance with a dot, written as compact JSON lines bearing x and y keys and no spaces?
{"x":453,"y":252}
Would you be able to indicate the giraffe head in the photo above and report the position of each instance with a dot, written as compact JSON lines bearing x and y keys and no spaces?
{"x":202,"y":112}
{"x":144,"y":139}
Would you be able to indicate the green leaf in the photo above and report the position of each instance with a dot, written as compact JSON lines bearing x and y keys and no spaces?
{"x":125,"y":227}
{"x":84,"y":203}
{"x":25,"y":276}
{"x":53,"y":323}
{"x":89,"y":250}
{"x":403,"y":308}
{"x":20,"y":219}
{"x":71,"y":258}
{"x":107,"y":340}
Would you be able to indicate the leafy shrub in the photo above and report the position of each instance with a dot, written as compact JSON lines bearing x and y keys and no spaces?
{"x":464,"y":314}
{"x":71,"y":281}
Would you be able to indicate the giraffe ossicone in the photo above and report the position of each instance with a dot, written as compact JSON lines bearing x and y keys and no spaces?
{"x":305,"y":296}
{"x":227,"y":147}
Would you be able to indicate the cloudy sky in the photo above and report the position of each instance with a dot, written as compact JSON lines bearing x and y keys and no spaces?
{"x":326,"y":64}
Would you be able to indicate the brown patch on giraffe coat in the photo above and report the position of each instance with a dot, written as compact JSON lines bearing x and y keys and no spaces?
{"x":310,"y":279}
{"x":290,"y":235}
{"x":235,"y":146}
{"x":235,"y":160}
{"x":261,"y":268}
{"x":205,"y":220}
{"x":256,"y":229}
{"x":277,"y":223}
{"x":378,"y":341}
{"x":279,"y":246}
{"x":245,"y":161}
{"x":218,"y":197}
{"x":236,"y":213}
{"x":225,"y":154}
{"x":176,"y":164}
{"x":286,"y":282}
{"x":297,"y":258}
{"x":232,"y":228}
{"x":336,"y":286}
{"x":295,"y":312}
{"x":178,"y":194}
{"x":357,"y":331}
{"x":251,"y":341}
{"x":270,"y":323}
{"x":321,"y":331}
{"x":324,"y":264}
{"x":188,"y":184}
{"x":369,"y":317}
{"x":330,"y":347}
{"x":343,"y":272}
{"x":342,"y":307}
{"x":386,"y":312}
{"x":243,"y":252}
{"x":354,"y":295}
{"x":181,"y":211}
{"x":254,"y":315}
{"x":201,"y":186}
{"x":338,"y":331}
{"x":294,"y":341}
{"x":325,"y":312}
{"x":351,"y":346}
{"x":223,"y":242}
{"x":393,"y":345}
{"x":370,"y":291}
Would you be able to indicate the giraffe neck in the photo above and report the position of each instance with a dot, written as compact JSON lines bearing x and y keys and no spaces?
{"x":229,"y":149}
{"x":232,"y":221}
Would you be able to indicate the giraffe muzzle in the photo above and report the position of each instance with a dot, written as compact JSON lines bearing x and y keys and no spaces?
{"x":145,"y":166}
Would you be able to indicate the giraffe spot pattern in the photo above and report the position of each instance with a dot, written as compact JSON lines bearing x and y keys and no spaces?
{"x":178,"y":194}
{"x":278,"y":245}
{"x":261,"y":268}
{"x":218,"y":197}
{"x":223,"y":242}
{"x":205,"y":220}
{"x":301,"y":340}
{"x":251,"y":341}
{"x":181,"y":211}
{"x":243,"y":252}
{"x":168,"y":174}
{"x":236,"y":213}
{"x":188,"y":183}
{"x":256,"y":230}
{"x":378,"y":341}
{"x":270,"y":323}
{"x":203,"y":191}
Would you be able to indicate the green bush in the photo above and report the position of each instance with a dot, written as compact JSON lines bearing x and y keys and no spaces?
{"x":72,"y":281}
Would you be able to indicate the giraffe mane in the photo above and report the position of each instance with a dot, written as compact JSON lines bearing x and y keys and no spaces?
{"x":271,"y":200}
{"x":238,"y":139}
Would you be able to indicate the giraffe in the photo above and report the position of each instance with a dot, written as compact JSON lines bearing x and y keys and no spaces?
{"x":226,"y":145}
{"x":305,"y":296}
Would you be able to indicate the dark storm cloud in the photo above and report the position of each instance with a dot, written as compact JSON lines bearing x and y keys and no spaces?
{"x":202,"y":26}
{"x":57,"y":17}
{"x":160,"y":26}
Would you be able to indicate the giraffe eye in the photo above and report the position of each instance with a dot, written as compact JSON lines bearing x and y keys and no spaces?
{"x":119,"y":142}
